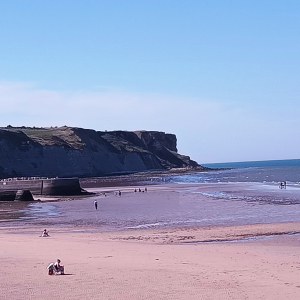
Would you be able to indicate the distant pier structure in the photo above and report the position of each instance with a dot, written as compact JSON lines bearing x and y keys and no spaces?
{"x":42,"y":186}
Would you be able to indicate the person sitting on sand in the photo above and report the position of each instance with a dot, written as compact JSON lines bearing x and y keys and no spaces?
{"x":45,"y":233}
{"x":58,"y":267}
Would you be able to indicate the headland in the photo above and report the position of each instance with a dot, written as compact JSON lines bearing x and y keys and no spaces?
{"x":67,"y":152}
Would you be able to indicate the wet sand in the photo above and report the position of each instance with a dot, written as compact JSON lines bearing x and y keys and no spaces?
{"x":164,"y":206}
{"x":104,"y":259}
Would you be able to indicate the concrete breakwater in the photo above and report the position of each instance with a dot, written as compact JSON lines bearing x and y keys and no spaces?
{"x":53,"y":186}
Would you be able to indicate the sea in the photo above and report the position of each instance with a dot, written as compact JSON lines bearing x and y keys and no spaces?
{"x":271,"y":171}
{"x":238,"y":193}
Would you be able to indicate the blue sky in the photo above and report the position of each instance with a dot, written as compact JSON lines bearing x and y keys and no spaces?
{"x":222,"y":75}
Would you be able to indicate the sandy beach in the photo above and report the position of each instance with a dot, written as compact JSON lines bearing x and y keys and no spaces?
{"x":250,"y":261}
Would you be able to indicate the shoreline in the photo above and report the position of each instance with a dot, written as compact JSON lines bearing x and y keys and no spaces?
{"x":179,"y":235}
{"x":163,"y":206}
{"x":104,"y":259}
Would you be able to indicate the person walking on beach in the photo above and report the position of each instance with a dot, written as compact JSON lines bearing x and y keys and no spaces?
{"x":96,"y":204}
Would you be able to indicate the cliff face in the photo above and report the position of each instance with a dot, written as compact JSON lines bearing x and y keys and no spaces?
{"x":67,"y":152}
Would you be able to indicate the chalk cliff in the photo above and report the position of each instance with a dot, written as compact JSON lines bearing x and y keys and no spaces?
{"x":69,"y":151}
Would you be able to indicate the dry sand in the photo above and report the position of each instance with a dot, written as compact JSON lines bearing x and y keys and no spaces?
{"x":151,"y":264}
{"x":260,"y":261}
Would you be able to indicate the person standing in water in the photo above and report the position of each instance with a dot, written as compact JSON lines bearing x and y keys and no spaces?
{"x":96,"y":204}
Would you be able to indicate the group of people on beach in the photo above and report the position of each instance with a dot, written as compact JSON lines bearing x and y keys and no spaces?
{"x":282,"y":185}
{"x":119,"y":193}
{"x":145,"y":190}
{"x":57,"y":267}
{"x":53,"y":267}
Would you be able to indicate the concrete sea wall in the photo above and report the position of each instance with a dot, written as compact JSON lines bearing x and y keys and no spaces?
{"x":54,"y":186}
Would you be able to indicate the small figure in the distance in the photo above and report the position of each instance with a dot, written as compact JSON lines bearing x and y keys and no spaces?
{"x":45,"y":233}
{"x":96,"y":204}
{"x":120,"y":193}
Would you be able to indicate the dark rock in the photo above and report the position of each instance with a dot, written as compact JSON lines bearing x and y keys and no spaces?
{"x":7,"y":195}
{"x":23,"y":195}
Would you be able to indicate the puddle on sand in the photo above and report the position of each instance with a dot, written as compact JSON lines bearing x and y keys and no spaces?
{"x":37,"y":210}
{"x":244,"y":239}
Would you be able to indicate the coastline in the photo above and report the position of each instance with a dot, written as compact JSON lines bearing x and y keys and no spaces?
{"x":162,"y":206}
{"x":103,"y":261}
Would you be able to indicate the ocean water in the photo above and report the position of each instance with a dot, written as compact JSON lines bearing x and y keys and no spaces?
{"x":243,"y":193}
{"x":272,"y":171}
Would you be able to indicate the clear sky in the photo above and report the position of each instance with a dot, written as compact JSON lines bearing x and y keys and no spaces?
{"x":224,"y":76}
